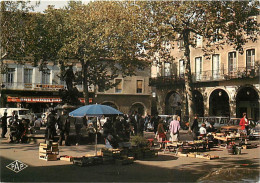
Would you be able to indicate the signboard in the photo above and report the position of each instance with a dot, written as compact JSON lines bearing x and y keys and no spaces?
{"x":40,"y":99}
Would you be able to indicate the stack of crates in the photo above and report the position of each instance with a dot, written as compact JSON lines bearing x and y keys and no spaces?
{"x":48,"y":152}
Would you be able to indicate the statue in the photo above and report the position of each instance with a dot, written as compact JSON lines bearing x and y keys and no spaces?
{"x":70,"y":95}
{"x":69,"y":77}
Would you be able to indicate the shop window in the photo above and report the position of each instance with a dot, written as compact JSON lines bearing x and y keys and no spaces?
{"x":119,"y":86}
{"x":28,"y":75}
{"x":139,"y":86}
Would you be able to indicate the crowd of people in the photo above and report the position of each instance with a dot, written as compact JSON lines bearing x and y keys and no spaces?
{"x":18,"y":128}
{"x":113,"y":130}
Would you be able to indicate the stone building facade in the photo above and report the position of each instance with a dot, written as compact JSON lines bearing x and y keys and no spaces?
{"x":26,"y":86}
{"x":226,"y":83}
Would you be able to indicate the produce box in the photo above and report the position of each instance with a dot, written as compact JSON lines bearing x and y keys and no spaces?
{"x":44,"y":146}
{"x":48,"y":157}
{"x":44,"y":150}
{"x":192,"y":155}
{"x":182,"y":154}
{"x":66,"y":158}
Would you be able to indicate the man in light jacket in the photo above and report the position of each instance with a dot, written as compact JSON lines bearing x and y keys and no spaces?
{"x":174,"y":128}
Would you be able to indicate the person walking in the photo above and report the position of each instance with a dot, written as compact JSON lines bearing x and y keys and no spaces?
{"x":50,"y":127}
{"x":161,"y":133}
{"x":140,"y":124}
{"x":78,"y":122}
{"x":174,"y":128}
{"x":64,"y":126}
{"x":4,"y":125}
{"x":195,"y":127}
{"x":244,"y":124}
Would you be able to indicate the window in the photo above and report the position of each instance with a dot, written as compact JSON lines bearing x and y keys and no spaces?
{"x":198,"y":40}
{"x":232,"y":61}
{"x":45,"y":78}
{"x":181,"y":68}
{"x":181,"y":43}
{"x":215,"y":66}
{"x":139,"y":86}
{"x":198,"y":68}
{"x":28,"y":75}
{"x":10,"y":75}
{"x":167,"y":69}
{"x":216,"y":36}
{"x":250,"y":59}
{"x":118,"y":87}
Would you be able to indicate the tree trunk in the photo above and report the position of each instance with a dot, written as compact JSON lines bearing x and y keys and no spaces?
{"x":85,"y":81}
{"x":187,"y":75}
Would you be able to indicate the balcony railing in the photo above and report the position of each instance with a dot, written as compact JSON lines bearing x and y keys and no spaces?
{"x":166,"y":80}
{"x":225,"y":74}
{"x":207,"y":76}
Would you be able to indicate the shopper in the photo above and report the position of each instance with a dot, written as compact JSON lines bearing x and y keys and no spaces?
{"x":4,"y":125}
{"x":244,"y":124}
{"x":161,"y":133}
{"x":203,"y":130}
{"x":50,"y":127}
{"x":195,"y":127}
{"x":64,"y":126}
{"x":174,"y":128}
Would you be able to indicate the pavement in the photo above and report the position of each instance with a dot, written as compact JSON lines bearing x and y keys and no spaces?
{"x":165,"y":168}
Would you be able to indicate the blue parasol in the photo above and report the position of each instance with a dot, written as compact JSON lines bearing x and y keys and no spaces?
{"x":94,"y":110}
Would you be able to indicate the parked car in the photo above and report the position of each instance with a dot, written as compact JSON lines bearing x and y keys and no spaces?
{"x":22,"y":113}
{"x":255,"y":131}
{"x":216,"y":121}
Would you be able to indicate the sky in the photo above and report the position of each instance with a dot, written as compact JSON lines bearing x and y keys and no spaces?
{"x":57,"y":3}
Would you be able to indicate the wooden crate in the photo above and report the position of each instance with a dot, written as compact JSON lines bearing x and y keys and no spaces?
{"x":192,"y":155}
{"x":48,"y":157}
{"x":66,"y":158}
{"x":44,"y":146}
{"x":182,"y":154}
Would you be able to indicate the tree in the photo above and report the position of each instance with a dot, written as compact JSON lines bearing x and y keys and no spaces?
{"x":104,"y":41}
{"x":231,"y":22}
{"x":14,"y":18}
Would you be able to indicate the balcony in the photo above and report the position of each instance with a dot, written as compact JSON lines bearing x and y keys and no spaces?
{"x":166,"y":80}
{"x":207,"y":76}
{"x":225,"y":74}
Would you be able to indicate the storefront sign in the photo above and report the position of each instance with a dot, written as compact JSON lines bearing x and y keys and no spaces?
{"x":40,"y":99}
{"x":33,"y":99}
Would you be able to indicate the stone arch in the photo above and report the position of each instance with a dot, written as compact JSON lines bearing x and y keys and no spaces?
{"x":110,"y":103}
{"x":219,"y":104}
{"x":173,"y":103}
{"x":247,"y":100}
{"x":139,"y":107}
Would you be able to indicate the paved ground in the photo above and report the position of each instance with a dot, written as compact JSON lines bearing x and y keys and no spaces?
{"x":164,"y":168}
